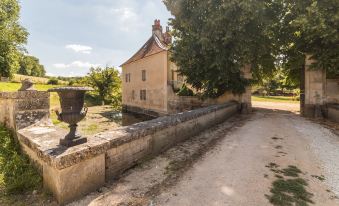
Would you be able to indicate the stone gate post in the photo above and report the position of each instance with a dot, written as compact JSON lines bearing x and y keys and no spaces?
{"x":315,"y":89}
{"x":23,"y":108}
{"x":246,"y":98}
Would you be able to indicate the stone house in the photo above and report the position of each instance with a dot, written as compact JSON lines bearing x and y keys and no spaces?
{"x":147,"y":74}
{"x":150,"y":80}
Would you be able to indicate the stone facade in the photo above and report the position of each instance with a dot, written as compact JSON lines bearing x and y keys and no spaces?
{"x":161,"y":78}
{"x":146,"y":74}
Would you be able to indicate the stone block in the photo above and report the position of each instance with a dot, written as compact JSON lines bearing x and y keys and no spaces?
{"x":27,"y":118}
{"x":24,"y":108}
{"x":32,"y":104}
{"x":333,"y":112}
{"x":73,"y":182}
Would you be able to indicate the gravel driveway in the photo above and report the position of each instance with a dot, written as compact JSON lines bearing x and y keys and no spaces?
{"x":236,"y":172}
{"x":235,"y":163}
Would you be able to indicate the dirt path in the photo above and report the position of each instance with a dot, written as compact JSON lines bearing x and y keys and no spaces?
{"x":238,"y":163}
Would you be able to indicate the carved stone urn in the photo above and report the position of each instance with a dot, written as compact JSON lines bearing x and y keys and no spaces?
{"x":72,"y":112}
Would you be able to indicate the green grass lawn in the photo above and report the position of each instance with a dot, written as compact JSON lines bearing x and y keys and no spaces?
{"x":275,"y":99}
{"x":11,"y":87}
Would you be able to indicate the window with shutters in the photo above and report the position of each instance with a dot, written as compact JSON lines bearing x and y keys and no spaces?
{"x":143,"y":75}
{"x":133,"y":94}
{"x":143,"y":95}
{"x":128,"y":77}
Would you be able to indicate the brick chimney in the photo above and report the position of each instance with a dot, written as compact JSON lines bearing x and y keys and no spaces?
{"x":157,"y":29}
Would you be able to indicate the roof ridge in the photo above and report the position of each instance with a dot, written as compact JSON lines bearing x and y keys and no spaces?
{"x":144,"y":50}
{"x":158,"y":41}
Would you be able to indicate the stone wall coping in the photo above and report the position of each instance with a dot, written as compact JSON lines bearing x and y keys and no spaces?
{"x":44,"y":139}
{"x":334,"y":106}
{"x":24,"y":95}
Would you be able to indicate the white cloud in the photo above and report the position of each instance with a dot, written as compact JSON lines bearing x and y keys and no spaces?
{"x":125,"y":13}
{"x":75,"y":64}
{"x":79,"y":48}
{"x":125,"y":18}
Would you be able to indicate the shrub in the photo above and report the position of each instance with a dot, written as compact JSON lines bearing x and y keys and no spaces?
{"x":16,"y":172}
{"x":185,"y":91}
{"x":53,"y":81}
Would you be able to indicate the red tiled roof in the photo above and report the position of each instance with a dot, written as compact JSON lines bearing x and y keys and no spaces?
{"x":152,"y":46}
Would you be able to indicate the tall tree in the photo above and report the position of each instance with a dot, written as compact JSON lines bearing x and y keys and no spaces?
{"x":12,"y":37}
{"x":30,"y":65}
{"x":311,"y":27}
{"x":105,"y":81}
{"x":215,"y":39}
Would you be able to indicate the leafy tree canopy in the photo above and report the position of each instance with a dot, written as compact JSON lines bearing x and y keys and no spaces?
{"x":106,"y":81}
{"x":30,"y":65}
{"x":12,"y":37}
{"x":309,"y":27}
{"x":215,"y":39}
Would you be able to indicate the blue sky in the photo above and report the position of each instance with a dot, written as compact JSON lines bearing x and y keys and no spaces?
{"x":69,"y":36}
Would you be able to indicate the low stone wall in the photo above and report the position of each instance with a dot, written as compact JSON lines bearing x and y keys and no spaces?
{"x":144,"y":111}
{"x":332,"y":91}
{"x":73,"y":172}
{"x":183,"y":103}
{"x":333,"y":112}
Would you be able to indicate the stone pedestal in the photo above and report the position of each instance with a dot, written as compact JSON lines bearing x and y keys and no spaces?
{"x":315,"y":90}
{"x":24,"y":108}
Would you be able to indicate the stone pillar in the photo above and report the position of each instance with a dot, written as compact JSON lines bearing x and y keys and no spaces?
{"x":246,"y":98}
{"x":23,"y":108}
{"x":315,"y":90}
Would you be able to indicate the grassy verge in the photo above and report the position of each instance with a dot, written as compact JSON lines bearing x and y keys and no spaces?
{"x":17,"y":175}
{"x":281,"y":99}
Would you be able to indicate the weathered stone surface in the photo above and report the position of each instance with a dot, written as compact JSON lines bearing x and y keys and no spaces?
{"x":332,"y":90}
{"x":26,"y":118}
{"x":333,"y":112}
{"x":107,"y":154}
{"x":32,"y":104}
{"x":75,"y":181}
{"x":24,"y":95}
{"x":315,"y":89}
{"x":44,"y":140}
{"x":24,"y":108}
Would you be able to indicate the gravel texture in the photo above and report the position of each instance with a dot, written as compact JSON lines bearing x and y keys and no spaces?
{"x":232,"y":170}
{"x":325,"y":144}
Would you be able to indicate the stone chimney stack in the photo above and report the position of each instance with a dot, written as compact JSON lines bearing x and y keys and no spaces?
{"x":157,"y":29}
{"x":167,"y":36}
